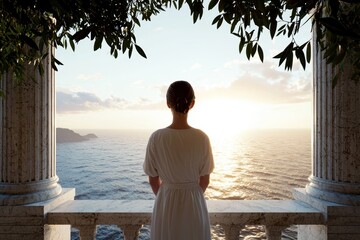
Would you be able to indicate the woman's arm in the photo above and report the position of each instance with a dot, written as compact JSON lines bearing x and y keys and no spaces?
{"x":204,"y":182}
{"x":155,"y":184}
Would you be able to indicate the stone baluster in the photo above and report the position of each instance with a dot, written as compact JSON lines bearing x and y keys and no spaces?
{"x":131,"y":231}
{"x":231,"y":231}
{"x":274,"y":232}
{"x":86,"y":232}
{"x":27,"y":137}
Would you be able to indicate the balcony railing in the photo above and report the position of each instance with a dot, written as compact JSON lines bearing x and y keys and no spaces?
{"x":231,"y":215}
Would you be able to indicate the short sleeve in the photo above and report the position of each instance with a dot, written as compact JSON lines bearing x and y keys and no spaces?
{"x":208,"y":161}
{"x":149,"y":165}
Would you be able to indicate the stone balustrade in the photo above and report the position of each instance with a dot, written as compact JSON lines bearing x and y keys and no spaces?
{"x":231,"y":215}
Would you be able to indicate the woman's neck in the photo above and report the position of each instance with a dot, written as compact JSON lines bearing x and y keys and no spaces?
{"x":179,"y":121}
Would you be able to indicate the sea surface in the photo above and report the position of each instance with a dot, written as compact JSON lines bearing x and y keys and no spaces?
{"x":256,"y":164}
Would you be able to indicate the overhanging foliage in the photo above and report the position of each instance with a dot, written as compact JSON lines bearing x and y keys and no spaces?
{"x":29,"y":27}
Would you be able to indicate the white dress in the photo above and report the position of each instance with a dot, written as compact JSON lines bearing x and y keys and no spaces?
{"x":179,"y":157}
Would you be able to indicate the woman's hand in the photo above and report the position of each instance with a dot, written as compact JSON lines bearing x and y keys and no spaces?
{"x":155,"y":184}
{"x":204,"y":182}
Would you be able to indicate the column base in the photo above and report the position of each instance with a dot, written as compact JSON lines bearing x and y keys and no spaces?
{"x":347,"y":194}
{"x":28,"y":198}
{"x":29,"y":221}
{"x":12,"y":194}
{"x":342,"y":221}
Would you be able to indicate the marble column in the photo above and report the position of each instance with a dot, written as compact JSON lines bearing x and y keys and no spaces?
{"x":336,"y":135}
{"x":27,"y":133}
{"x":334,"y":184}
{"x":29,"y":186}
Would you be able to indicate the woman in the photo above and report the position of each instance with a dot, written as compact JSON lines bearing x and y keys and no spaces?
{"x":178,"y":162}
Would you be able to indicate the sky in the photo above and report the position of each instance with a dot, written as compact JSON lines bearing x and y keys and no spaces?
{"x":97,"y":91}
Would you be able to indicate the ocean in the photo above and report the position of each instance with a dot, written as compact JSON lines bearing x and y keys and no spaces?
{"x":254,"y":164}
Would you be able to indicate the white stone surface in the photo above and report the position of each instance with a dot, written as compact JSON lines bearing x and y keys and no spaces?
{"x":239,"y":212}
{"x":232,"y":215}
{"x":29,"y":221}
{"x":342,"y":221}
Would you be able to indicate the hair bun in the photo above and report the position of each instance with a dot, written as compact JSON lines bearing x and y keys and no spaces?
{"x":180,"y":95}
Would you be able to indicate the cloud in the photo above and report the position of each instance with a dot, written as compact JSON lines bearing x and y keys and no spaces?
{"x":83,"y":101}
{"x":77,"y":102}
{"x":257,"y":82}
{"x":263,"y":82}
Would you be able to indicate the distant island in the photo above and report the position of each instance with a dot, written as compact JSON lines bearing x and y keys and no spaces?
{"x":64,"y":135}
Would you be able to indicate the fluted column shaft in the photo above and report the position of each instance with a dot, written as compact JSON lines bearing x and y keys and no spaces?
{"x":336,"y":135}
{"x":27,"y":136}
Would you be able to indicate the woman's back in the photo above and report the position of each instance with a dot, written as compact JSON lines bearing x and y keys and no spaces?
{"x":179,"y":155}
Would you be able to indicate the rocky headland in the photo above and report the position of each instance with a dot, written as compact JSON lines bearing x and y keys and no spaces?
{"x":64,"y":135}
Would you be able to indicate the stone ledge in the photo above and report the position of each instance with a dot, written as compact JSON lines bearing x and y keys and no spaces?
{"x":39,"y":208}
{"x":239,"y":212}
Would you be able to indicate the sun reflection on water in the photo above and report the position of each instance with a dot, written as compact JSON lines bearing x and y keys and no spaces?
{"x":259,"y":164}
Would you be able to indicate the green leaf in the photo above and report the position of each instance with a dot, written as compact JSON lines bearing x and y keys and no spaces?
{"x":279,"y":55}
{"x":44,"y":56}
{"x":282,"y":28}
{"x":333,"y":25}
{"x":248,"y":50}
{"x":83,"y":33}
{"x":289,"y":61}
{"x":221,"y":5}
{"x":133,"y":36}
{"x":253,"y":50}
{"x":41,"y":69}
{"x":282,"y":56}
{"x":31,"y":43}
{"x":339,"y":57}
{"x":98,"y":41}
{"x":140,"y":51}
{"x":290,"y":29}
{"x":181,"y":2}
{"x":216,"y":19}
{"x":261,"y":53}
{"x":136,"y":21}
{"x":126,"y":44}
{"x":212,"y":4}
{"x":228,"y":18}
{"x":242,"y":44}
{"x":195,"y":16}
{"x":57,"y":61}
{"x":301,"y":56}
{"x":259,"y":4}
{"x":130,"y":50}
{"x":54,"y":66}
{"x":308,"y":52}
{"x":72,"y":44}
{"x":219,"y":22}
{"x":273,"y":26}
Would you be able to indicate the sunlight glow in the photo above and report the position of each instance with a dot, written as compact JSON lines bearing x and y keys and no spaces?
{"x":221,"y":117}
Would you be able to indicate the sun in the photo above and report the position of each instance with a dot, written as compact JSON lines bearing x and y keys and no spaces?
{"x":222,"y":117}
